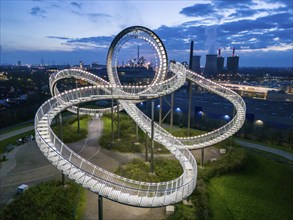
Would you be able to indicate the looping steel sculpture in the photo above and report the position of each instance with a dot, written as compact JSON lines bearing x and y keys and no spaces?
{"x":103,"y":182}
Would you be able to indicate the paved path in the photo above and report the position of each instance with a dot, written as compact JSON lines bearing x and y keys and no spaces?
{"x":16,"y":132}
{"x":278,"y":152}
{"x":33,"y":168}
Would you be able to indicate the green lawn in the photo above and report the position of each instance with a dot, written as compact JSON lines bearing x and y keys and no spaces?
{"x":287,"y":149}
{"x":12,"y":140}
{"x":69,"y":129}
{"x":263,"y":190}
{"x":128,"y":139}
{"x":164,"y":169}
{"x":183,"y":132}
{"x":4,"y":131}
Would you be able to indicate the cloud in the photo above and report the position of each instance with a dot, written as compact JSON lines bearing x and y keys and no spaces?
{"x":59,"y":38}
{"x":99,"y":15}
{"x":198,"y":10}
{"x":76,"y":5}
{"x":87,"y":42}
{"x":38,"y":12}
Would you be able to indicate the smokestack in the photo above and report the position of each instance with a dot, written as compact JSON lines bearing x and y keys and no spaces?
{"x":137,"y":54}
{"x":233,"y":53}
{"x":191,"y":55}
{"x":219,"y":52}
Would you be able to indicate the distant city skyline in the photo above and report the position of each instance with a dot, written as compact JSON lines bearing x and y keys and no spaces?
{"x":62,"y":32}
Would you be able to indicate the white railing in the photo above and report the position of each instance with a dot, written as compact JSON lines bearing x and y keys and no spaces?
{"x":90,"y":175}
{"x":110,"y":185}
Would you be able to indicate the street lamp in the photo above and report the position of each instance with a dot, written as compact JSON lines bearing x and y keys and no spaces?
{"x":227,"y":117}
{"x":259,"y":123}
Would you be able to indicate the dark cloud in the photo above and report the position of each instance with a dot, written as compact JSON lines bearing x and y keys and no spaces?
{"x":241,"y":31}
{"x":98,"y":15}
{"x":221,"y":4}
{"x":198,"y":10}
{"x":38,"y":12}
{"x":243,"y":12}
{"x":76,"y":4}
{"x":95,"y":40}
{"x":59,"y":38}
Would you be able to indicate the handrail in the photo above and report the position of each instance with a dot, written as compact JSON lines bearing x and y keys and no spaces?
{"x":103,"y":182}
{"x":69,"y":98}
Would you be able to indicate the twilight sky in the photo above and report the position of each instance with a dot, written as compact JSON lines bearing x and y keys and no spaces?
{"x":71,"y":31}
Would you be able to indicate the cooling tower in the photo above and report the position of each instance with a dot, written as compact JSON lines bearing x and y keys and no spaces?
{"x":211,"y":65}
{"x":220,"y":65}
{"x":220,"y":62}
{"x":232,"y":65}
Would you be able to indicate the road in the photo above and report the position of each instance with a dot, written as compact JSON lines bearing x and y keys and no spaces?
{"x":16,"y":132}
{"x":261,"y":147}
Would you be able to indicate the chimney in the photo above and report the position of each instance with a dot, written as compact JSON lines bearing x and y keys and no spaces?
{"x":233,"y":53}
{"x":219,"y":52}
{"x":191,"y":55}
{"x":138,"y":54}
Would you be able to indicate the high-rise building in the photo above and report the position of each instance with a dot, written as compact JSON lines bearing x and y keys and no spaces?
{"x":81,"y":65}
{"x":232,"y":64}
{"x":19,"y":63}
{"x":211,"y":65}
{"x":220,"y":62}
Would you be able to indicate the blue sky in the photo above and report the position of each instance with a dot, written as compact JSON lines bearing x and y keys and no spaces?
{"x":70,"y":31}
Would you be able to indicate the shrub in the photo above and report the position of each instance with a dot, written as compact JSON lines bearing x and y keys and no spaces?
{"x":48,"y":200}
{"x":138,"y":170}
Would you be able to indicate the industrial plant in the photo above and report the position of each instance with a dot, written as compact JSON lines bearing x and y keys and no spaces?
{"x":215,"y":64}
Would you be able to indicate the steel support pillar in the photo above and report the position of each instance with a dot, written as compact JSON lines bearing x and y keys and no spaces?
{"x":146,"y":147}
{"x":189,"y":106}
{"x":61,"y":138}
{"x":202,"y":156}
{"x":160,"y":111}
{"x":77,"y":111}
{"x":172,"y":111}
{"x":118,"y":121}
{"x":136,"y":131}
{"x":100,"y":207}
{"x":112,"y":117}
{"x":78,"y":120}
{"x":152,"y":136}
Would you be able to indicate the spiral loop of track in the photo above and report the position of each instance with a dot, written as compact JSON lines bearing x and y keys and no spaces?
{"x":103,"y":182}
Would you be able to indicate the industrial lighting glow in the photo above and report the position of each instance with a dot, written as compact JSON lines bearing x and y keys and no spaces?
{"x":226,"y":117}
{"x":200,"y":113}
{"x":178,"y":109}
{"x":158,"y":106}
{"x":259,"y":122}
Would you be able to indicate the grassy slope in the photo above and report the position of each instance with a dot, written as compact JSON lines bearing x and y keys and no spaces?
{"x":263,"y":190}
{"x":289,"y":150}
{"x":14,"y":128}
{"x":12,"y":140}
